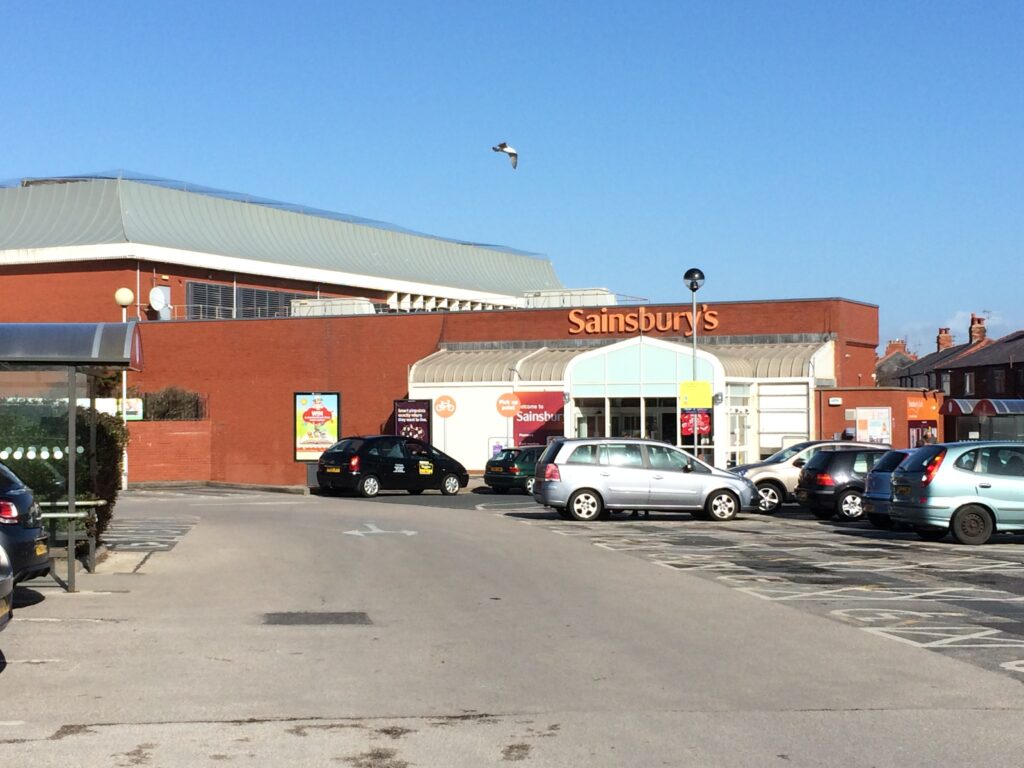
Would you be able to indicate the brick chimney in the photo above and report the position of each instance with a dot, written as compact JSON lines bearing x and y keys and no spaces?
{"x":896,"y":345}
{"x":944,"y":340}
{"x":977,"y":329}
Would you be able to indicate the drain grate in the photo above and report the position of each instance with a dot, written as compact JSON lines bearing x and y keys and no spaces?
{"x":306,"y":618}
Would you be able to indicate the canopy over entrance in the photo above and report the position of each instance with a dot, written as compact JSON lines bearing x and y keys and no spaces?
{"x":79,"y":345}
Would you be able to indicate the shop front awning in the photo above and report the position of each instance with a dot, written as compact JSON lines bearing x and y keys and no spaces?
{"x":991,"y":407}
{"x":548,"y":364}
{"x":958,"y":407}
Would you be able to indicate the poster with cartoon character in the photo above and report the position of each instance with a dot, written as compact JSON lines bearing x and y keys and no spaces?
{"x":317,"y":420}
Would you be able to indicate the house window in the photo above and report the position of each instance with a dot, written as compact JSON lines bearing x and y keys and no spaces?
{"x":968,"y":382}
{"x":946,"y":388}
{"x":999,"y":381}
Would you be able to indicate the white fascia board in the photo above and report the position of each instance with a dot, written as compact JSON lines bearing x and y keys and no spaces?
{"x":244,"y":266}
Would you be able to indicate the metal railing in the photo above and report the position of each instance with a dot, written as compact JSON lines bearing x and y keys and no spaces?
{"x":89,"y":515}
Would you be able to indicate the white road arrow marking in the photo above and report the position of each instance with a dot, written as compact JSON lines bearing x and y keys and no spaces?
{"x":372,"y":528}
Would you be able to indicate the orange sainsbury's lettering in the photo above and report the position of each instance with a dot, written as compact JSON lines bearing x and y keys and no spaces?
{"x":643,"y":320}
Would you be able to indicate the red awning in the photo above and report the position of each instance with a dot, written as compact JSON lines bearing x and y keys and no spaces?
{"x":954,"y":407}
{"x":991,"y":407}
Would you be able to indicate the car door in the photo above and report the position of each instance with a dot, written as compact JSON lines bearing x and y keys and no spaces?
{"x":624,"y":477}
{"x":423,"y":469}
{"x":676,"y":481}
{"x":386,"y":458}
{"x":1001,"y":483}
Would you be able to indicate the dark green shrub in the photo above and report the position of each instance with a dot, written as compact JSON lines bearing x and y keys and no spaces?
{"x":172,"y":404}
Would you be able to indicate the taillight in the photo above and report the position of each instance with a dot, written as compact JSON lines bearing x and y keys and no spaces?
{"x":551,"y":472}
{"x":513,"y":470}
{"x":8,"y":513}
{"x":823,"y":478}
{"x":353,"y":464}
{"x":932,"y":467}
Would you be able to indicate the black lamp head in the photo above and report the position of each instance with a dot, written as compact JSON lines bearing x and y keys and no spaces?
{"x":694,"y":279}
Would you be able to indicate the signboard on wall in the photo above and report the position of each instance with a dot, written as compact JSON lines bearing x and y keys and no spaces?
{"x":695,"y":394}
{"x":317,"y":422}
{"x":540,"y":415}
{"x":412,"y":419}
{"x":874,"y":425}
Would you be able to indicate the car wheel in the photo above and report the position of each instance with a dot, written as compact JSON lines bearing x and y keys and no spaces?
{"x":528,"y":488}
{"x":931,"y":534}
{"x":450,"y":485}
{"x":415,"y":491}
{"x":850,"y":506}
{"x":585,"y":505}
{"x":972,"y":525}
{"x":722,"y":505}
{"x":499,"y":490}
{"x":369,"y":486}
{"x":771,"y":498}
{"x":882,"y":522}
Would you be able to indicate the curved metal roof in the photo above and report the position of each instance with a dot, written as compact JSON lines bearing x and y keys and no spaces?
{"x":114,"y":345}
{"x":96,"y":211}
{"x":755,"y":361}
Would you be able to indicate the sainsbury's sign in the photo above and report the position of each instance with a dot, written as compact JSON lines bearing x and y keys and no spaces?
{"x":642,"y":320}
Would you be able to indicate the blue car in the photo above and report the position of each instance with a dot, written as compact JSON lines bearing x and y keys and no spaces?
{"x":969,"y":489}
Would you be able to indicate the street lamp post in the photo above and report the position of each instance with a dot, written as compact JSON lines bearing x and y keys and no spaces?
{"x":124,"y":298}
{"x":694,"y":280}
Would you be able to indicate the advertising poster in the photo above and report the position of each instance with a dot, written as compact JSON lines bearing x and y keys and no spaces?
{"x":412,"y":419}
{"x":874,"y":425}
{"x":702,"y":417}
{"x":541,"y":415}
{"x":317,"y":420}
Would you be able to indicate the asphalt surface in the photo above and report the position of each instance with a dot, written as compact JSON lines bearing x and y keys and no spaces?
{"x":255,"y":628}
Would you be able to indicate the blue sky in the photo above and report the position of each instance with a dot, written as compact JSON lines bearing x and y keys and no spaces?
{"x":870,"y":150}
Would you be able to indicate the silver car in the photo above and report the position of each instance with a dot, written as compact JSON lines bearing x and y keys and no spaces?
{"x":776,"y":477}
{"x":584,"y":478}
{"x":6,"y":589}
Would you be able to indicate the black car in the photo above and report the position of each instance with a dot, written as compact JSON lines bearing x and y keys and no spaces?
{"x":513,"y":468}
{"x":375,"y":463}
{"x":21,"y":528}
{"x":832,"y":482}
{"x":878,"y":488}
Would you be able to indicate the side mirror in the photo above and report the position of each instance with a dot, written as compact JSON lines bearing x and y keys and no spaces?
{"x":799,"y":463}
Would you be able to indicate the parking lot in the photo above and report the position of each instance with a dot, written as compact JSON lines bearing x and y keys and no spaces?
{"x":967,"y":603}
{"x":489,"y":627}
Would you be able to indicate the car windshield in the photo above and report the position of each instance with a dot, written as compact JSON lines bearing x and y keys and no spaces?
{"x":785,"y":453}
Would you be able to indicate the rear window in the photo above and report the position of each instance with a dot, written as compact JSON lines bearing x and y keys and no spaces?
{"x":507,"y":455}
{"x":918,"y":460}
{"x":348,"y":445}
{"x":8,"y":479}
{"x":889,"y":461}
{"x":550,"y":452}
{"x":819,"y":460}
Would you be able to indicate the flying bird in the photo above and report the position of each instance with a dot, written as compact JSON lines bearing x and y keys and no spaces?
{"x":510,"y":151}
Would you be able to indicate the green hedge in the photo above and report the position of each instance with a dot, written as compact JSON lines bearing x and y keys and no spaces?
{"x":41,"y":423}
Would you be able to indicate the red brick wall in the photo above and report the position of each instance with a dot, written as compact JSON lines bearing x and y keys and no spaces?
{"x":832,"y":418}
{"x":169,"y":450}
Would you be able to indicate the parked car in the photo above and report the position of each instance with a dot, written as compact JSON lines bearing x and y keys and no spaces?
{"x":6,"y":589}
{"x":584,"y":478}
{"x":831,"y":484}
{"x":972,"y":489}
{"x":513,"y":468}
{"x":878,"y":488}
{"x":374,"y":463}
{"x":776,"y":477}
{"x":21,"y":528}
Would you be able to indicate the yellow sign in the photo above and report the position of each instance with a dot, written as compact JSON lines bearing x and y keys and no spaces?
{"x":426,"y":468}
{"x":695,"y":394}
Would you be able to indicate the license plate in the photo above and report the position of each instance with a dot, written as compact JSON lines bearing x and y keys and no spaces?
{"x":41,"y":549}
{"x":902,"y":490}
{"x":332,"y":470}
{"x":5,"y":605}
{"x":497,"y":469}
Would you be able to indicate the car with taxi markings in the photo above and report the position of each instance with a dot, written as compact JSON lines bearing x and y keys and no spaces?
{"x":369,"y":464}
